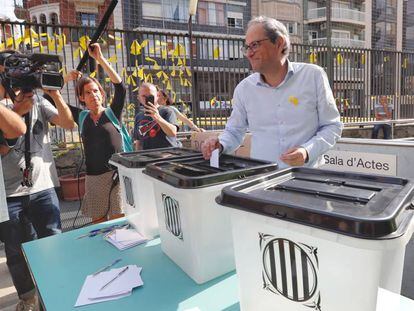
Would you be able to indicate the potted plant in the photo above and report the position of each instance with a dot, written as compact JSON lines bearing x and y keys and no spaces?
{"x":68,"y":160}
{"x":72,"y":186}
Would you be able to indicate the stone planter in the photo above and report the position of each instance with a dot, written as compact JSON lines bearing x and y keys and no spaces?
{"x":69,"y":186}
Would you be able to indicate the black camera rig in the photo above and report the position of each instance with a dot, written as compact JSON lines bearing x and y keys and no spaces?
{"x":30,"y":71}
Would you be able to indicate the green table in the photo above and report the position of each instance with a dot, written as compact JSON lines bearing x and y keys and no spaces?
{"x":60,"y":264}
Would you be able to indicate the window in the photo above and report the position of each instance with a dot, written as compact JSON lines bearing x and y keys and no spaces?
{"x":175,"y":10}
{"x":340,"y":34}
{"x":312,"y":35}
{"x":35,"y":27}
{"x":340,"y":5}
{"x":234,"y":17}
{"x":210,"y":13}
{"x":292,"y":28}
{"x":220,"y":14}
{"x":202,"y":13}
{"x":54,"y":21}
{"x":152,"y":10}
{"x":42,"y":20}
{"x":234,"y":22}
{"x":391,"y":29}
{"x":87,"y":19}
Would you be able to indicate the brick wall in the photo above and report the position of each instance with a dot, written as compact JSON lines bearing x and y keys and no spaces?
{"x":67,"y":14}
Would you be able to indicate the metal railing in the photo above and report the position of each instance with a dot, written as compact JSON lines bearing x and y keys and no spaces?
{"x":337,"y":13}
{"x":357,"y":76}
{"x":353,"y":43}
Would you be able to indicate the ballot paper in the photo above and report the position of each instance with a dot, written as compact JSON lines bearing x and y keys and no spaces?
{"x":124,"y":238}
{"x":214,"y":160}
{"x":120,"y":287}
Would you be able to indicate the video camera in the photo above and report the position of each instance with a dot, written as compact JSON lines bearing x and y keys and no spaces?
{"x":31,"y":71}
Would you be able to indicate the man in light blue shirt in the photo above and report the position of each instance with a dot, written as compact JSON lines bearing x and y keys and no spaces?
{"x":288,"y":107}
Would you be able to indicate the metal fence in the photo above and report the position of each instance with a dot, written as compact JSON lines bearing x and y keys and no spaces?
{"x":212,"y":67}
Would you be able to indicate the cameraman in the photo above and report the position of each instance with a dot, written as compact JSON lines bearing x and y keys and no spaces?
{"x":33,"y":210}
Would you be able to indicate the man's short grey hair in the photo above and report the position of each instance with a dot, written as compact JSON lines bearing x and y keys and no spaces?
{"x":273,"y":29}
{"x":150,"y":86}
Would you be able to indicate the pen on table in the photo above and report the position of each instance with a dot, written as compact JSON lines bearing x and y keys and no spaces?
{"x":116,"y":276}
{"x":107,"y":267}
{"x":95,"y":232}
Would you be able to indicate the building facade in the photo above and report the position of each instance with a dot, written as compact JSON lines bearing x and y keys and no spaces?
{"x":408,"y":26}
{"x":67,"y":12}
{"x":213,"y":16}
{"x":347,"y":26}
{"x":290,"y":13}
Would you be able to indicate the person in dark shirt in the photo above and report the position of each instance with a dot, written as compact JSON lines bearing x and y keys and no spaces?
{"x":383,"y":112}
{"x":155,"y":127}
{"x":101,"y":140}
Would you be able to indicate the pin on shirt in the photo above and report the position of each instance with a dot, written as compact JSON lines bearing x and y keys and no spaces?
{"x":294,"y":100}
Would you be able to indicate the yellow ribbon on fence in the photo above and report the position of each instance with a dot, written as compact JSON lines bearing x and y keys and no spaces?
{"x":216,"y":53}
{"x":135,"y":48}
{"x":83,"y":42}
{"x":339,"y":59}
{"x":313,"y":58}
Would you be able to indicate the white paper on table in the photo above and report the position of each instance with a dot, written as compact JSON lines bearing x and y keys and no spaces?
{"x":119,"y":288}
{"x":124,"y":238}
{"x":214,"y":160}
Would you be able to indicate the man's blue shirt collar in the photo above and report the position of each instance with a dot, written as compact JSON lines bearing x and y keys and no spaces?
{"x":290,"y":72}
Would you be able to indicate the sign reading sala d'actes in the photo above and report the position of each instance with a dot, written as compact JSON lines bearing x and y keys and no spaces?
{"x":361,"y":162}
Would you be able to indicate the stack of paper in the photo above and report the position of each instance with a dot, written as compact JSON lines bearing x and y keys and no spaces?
{"x":124,"y":238}
{"x":120,"y":285}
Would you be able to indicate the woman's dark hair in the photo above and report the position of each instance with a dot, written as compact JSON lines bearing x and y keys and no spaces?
{"x":168,"y":100}
{"x":86,"y":80}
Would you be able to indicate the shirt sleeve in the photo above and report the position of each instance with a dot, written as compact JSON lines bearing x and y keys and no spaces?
{"x":136,"y":135}
{"x":169,"y":115}
{"x":236,"y":126}
{"x":74,"y":110}
{"x":48,"y":109}
{"x":119,"y":100}
{"x":4,"y":141}
{"x":330,"y":125}
{"x":176,"y":111}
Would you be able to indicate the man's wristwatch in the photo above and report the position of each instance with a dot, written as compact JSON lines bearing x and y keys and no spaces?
{"x":221,"y":148}
{"x":307,"y":156}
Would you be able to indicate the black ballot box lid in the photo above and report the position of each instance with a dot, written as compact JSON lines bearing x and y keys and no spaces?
{"x":359,"y":205}
{"x":139,"y":159}
{"x":197,"y":173}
